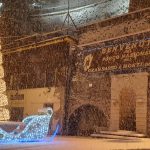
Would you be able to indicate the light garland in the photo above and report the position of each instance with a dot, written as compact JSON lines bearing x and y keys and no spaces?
{"x":1,"y":72}
{"x":4,"y":112}
{"x":4,"y":102}
{"x":2,"y":86}
{"x":36,"y":129}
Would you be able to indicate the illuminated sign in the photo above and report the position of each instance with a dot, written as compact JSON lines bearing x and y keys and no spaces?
{"x":118,"y":57}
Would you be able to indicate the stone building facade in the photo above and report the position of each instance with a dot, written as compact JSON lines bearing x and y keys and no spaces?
{"x":111,"y":74}
{"x":99,"y":81}
{"x":112,"y":77}
{"x":36,"y":75}
{"x":137,"y":4}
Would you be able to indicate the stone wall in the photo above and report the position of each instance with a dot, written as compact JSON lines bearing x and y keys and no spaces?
{"x":89,"y":89}
{"x":94,"y":88}
{"x":15,"y":20}
{"x":93,"y":91}
{"x":137,"y":4}
{"x":37,"y":67}
{"x":115,"y":27}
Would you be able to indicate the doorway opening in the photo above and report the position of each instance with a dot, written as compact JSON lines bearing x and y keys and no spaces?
{"x":127,"y":114}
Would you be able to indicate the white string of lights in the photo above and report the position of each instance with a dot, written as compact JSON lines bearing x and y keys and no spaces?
{"x":35,"y":128}
{"x":4,"y":112}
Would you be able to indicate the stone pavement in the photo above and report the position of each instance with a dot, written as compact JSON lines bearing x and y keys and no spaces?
{"x":81,"y":143}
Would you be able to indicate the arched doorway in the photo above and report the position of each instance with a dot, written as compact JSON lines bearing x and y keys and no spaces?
{"x":127,"y":117}
{"x":85,"y":119}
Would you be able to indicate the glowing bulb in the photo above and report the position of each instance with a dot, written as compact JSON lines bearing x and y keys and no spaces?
{"x":4,"y":114}
{"x":36,"y":128}
{"x":1,"y":72}
{"x":3,"y":100}
{"x":2,"y":86}
{"x":1,"y":59}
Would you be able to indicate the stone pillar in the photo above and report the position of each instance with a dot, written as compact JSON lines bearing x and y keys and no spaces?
{"x":141,"y":103}
{"x":114,"y":114}
{"x":69,"y":75}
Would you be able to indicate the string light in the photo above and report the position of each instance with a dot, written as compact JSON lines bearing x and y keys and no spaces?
{"x":2,"y":86}
{"x":1,"y":72}
{"x":36,"y":129}
{"x":4,"y":112}
{"x":1,"y":58}
{"x":4,"y":102}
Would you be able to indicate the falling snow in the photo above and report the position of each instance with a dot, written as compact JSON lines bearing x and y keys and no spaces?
{"x":54,"y":56}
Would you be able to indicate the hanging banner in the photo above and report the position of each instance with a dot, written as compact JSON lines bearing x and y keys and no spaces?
{"x":118,"y":57}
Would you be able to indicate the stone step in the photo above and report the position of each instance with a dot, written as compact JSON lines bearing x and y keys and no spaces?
{"x":112,"y":137}
{"x":118,"y":135}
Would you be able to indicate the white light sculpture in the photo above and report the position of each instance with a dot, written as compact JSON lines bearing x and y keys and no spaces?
{"x":35,"y":129}
{"x":4,"y":112}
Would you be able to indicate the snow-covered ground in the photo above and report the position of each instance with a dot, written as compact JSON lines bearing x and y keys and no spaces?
{"x":80,"y":143}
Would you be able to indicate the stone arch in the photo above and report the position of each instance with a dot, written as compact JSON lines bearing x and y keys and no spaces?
{"x":86,"y":119}
{"x":74,"y":106}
